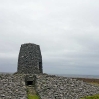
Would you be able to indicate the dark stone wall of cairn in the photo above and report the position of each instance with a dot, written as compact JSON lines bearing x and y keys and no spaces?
{"x":30,"y":59}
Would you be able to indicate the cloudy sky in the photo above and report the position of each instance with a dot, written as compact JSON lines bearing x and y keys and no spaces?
{"x":66,"y":30}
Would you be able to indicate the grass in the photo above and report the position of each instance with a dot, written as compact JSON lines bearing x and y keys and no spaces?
{"x":32,"y":96}
{"x":31,"y":93}
{"x":91,"y":97}
{"x":94,"y":83}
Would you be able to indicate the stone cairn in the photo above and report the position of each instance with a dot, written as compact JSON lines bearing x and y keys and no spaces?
{"x":30,"y":59}
{"x":13,"y":86}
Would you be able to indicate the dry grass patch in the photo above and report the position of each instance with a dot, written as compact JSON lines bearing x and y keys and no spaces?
{"x":91,"y":97}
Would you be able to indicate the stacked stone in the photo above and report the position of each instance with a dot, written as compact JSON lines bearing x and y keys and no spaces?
{"x":30,"y":59}
{"x":54,"y":87}
{"x":12,"y":87}
{"x":47,"y":87}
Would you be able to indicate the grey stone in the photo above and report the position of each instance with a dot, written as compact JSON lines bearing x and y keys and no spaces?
{"x":30,"y":59}
{"x":11,"y":87}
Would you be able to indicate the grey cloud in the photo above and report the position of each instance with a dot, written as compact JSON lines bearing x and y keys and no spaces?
{"x":8,"y":65}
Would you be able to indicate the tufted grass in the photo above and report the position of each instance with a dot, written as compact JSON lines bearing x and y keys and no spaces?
{"x":91,"y":97}
{"x":32,"y":96}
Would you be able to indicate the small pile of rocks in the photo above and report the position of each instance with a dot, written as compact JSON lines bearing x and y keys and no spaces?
{"x":12,"y":87}
{"x":55,"y":87}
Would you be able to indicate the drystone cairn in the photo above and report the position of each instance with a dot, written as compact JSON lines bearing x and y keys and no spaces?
{"x":30,"y":59}
{"x":47,"y":86}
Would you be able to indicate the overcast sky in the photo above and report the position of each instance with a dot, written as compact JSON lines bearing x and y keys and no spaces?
{"x":66,"y":30}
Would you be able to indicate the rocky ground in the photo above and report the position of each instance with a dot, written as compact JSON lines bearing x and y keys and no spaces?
{"x":47,"y":87}
{"x":12,"y":87}
{"x":55,"y":87}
